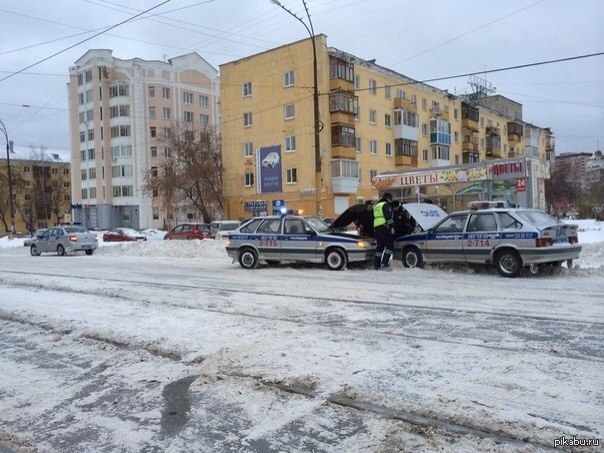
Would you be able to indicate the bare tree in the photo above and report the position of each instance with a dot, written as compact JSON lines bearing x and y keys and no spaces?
{"x":192,"y":176}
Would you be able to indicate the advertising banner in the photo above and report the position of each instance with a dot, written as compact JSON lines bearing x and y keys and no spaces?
{"x":268,"y":163}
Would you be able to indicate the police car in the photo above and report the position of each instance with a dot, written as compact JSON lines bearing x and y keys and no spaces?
{"x":489,"y":233}
{"x":290,"y":237}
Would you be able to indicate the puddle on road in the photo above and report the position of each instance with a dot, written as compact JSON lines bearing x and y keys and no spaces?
{"x":176,"y":410}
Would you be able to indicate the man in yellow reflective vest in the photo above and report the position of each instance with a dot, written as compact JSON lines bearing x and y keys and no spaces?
{"x":383,"y":225}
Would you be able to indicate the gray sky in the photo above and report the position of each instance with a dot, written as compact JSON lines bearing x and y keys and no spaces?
{"x":422,"y":39}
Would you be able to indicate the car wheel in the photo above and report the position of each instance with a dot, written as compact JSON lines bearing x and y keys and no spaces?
{"x":60,"y":250}
{"x":89,"y":252}
{"x":335,"y":259}
{"x":508,"y":263}
{"x":248,"y":258}
{"x":34,"y":250}
{"x":412,"y":257}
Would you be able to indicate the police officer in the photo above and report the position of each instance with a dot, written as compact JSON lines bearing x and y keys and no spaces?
{"x":403,"y":223}
{"x":383,"y":225}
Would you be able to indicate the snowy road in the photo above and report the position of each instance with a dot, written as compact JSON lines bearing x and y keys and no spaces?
{"x":139,"y":351}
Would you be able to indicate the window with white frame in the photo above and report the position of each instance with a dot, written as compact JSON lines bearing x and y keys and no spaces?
{"x":82,"y":156}
{"x":92,"y":173}
{"x":91,"y":154}
{"x":82,"y":136}
{"x":248,"y":179}
{"x":387,"y":120}
{"x":153,"y":151}
{"x":288,"y":111}
{"x":290,"y":143}
{"x":151,"y":112}
{"x":84,"y":175}
{"x":248,"y":149}
{"x":372,"y":86}
{"x":372,"y":116}
{"x":203,"y":101}
{"x":357,"y":81}
{"x":93,"y":192}
{"x":167,"y":152}
{"x":167,"y":113}
{"x":165,"y":92}
{"x":372,"y":174}
{"x":81,"y":99}
{"x":288,"y":78}
{"x":204,"y":119}
{"x":151,"y":91}
{"x":387,"y":91}
{"x":188,"y":117}
{"x":187,"y":97}
{"x":246,"y":89}
{"x":88,"y":95}
{"x":167,"y":132}
{"x":424,"y":128}
{"x":373,"y":146}
{"x":357,"y":144}
{"x":291,"y":176}
{"x":247,"y":119}
{"x":388,"y":149}
{"x":400,"y":93}
{"x":90,"y":134}
{"x":84,"y":193}
{"x":425,"y":155}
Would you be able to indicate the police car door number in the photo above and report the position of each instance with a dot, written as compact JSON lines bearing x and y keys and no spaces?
{"x":267,"y":243}
{"x":477,"y":243}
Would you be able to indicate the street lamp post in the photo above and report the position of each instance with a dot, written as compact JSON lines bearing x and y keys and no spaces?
{"x":9,"y":145}
{"x":317,"y":123}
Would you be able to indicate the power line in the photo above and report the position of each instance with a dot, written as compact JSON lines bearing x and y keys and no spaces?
{"x":84,"y":40}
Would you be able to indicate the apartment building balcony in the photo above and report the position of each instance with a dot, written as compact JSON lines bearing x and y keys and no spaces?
{"x":335,"y":83}
{"x":469,"y":146}
{"x":469,"y":124}
{"x":436,"y":112}
{"x":469,"y":156}
{"x":343,"y":152}
{"x":515,"y":131}
{"x":469,"y":116}
{"x":341,"y":116}
{"x":405,"y":160}
{"x":550,"y":144}
{"x":492,"y":130}
{"x":344,"y":176}
{"x":405,"y":104}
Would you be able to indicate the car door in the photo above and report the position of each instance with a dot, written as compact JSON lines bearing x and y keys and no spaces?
{"x":298,"y":243}
{"x":53,"y":240}
{"x":445,"y":241}
{"x":43,"y":242}
{"x":481,"y":236}
{"x":268,"y":239}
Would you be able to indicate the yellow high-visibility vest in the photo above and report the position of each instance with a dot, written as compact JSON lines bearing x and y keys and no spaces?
{"x":378,"y":214}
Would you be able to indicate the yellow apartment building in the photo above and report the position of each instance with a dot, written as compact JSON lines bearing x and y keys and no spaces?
{"x":41,"y":187}
{"x":373,"y":121}
{"x":121,"y":114}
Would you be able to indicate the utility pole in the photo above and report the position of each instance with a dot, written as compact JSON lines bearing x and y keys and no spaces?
{"x":317,"y":122}
{"x":9,"y":149}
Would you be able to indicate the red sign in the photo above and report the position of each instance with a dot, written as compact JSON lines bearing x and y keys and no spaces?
{"x":520,"y":184}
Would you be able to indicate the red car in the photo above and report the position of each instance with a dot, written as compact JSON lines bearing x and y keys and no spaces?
{"x":189,"y":231}
{"x":123,"y":235}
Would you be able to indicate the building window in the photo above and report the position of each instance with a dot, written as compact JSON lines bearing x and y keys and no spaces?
{"x":387,"y":91}
{"x":90,"y":134}
{"x":455,"y":114}
{"x":341,"y":69}
{"x":373,"y":146}
{"x":248,"y":149}
{"x":84,"y":175}
{"x":372,"y":116}
{"x":119,"y":89}
{"x":120,"y":131}
{"x":80,"y":79}
{"x":26,"y":169}
{"x":343,"y":101}
{"x":154,"y":151}
{"x":167,"y":152}
{"x":424,"y":103}
{"x":82,"y":117}
{"x":440,"y":152}
{"x":92,"y":173}
{"x":89,"y":76}
{"x":81,"y":98}
{"x":357,"y":144}
{"x":167,"y":113}
{"x":288,"y":111}
{"x":91,"y":154}
{"x":88,"y":95}
{"x":405,"y":147}
{"x":89,"y":115}
{"x":188,"y":117}
{"x":372,"y":86}
{"x":121,"y":151}
{"x":121,"y":171}
{"x":119,"y":110}
{"x":342,"y":135}
{"x":165,"y":93}
{"x":288,"y":78}
{"x":82,"y":156}
{"x":291,"y":176}
{"x":84,"y":194}
{"x":246,"y":89}
{"x":424,"y":129}
{"x":153,"y":131}
{"x":387,"y":120}
{"x":388,"y":149}
{"x":247,"y":119}
{"x":400,"y":93}
{"x":151,"y":91}
{"x":187,"y":97}
{"x":357,"y":81}
{"x":152,"y":112}
{"x":204,"y":119}
{"x":372,"y":174}
{"x":405,"y":117}
{"x":203,"y":101}
{"x":248,"y":179}
{"x":154,"y":172}
{"x":290,"y":143}
{"x":82,"y":137}
{"x":167,"y":132}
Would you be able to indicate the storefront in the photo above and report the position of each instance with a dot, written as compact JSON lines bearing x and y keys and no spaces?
{"x":518,"y":181}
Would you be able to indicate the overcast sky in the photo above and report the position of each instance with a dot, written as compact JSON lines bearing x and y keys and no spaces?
{"x":422,"y":39}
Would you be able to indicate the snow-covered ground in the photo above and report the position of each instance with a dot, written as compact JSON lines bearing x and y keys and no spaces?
{"x":170,"y":346}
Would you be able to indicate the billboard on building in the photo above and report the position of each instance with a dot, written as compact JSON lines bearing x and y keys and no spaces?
{"x":268,"y":169}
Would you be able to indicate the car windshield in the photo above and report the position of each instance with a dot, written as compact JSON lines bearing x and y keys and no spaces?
{"x":228,"y":226}
{"x":75,"y":229}
{"x":538,"y":218}
{"x":316,"y":223}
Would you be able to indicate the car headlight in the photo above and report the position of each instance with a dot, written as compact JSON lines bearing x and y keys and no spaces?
{"x":362,"y":244}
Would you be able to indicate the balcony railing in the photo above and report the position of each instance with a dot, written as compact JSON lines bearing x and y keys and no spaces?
{"x":405,"y":104}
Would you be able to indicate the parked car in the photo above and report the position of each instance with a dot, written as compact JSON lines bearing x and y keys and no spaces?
{"x":64,"y":239}
{"x":189,"y":231}
{"x":39,"y":232}
{"x":221,"y":228}
{"x":509,"y":239}
{"x":123,"y":235}
{"x":295,"y":238}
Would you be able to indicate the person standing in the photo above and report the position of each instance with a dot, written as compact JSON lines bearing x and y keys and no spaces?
{"x":365,"y":220}
{"x":403,"y":223}
{"x":383,"y":225}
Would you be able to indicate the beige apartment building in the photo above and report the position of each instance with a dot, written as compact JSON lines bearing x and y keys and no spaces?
{"x":121,"y":115}
{"x":373,"y":121}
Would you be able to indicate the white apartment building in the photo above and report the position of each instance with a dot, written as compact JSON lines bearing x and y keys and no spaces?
{"x":120,"y":114}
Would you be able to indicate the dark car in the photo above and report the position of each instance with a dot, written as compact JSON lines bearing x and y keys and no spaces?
{"x":189,"y":231}
{"x":123,"y":235}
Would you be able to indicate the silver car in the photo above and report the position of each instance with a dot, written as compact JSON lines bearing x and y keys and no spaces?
{"x":64,"y":239}
{"x":507,"y":238}
{"x":29,"y":241}
{"x":295,"y":238}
